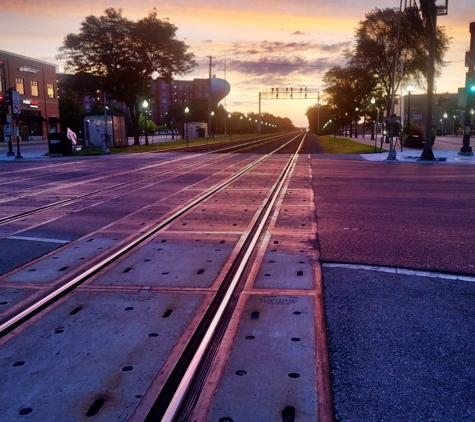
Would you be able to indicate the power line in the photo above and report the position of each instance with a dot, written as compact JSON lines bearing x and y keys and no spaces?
{"x":290,"y":64}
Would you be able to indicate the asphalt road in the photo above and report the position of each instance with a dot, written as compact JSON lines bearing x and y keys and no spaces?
{"x":400,"y":345}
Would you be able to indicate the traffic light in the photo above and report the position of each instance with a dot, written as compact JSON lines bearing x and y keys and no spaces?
{"x":8,"y":97}
{"x":470,"y":82}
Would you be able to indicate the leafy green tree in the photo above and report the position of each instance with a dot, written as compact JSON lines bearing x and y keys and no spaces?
{"x":70,"y":111}
{"x":349,"y":90}
{"x":119,"y":56}
{"x":376,"y":40}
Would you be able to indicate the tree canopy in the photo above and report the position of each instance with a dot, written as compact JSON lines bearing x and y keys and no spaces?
{"x":119,"y":56}
{"x":376,"y":40}
{"x":369,"y":69}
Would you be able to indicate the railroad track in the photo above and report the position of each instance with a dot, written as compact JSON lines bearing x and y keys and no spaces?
{"x":174,"y":395}
{"x":41,"y":191}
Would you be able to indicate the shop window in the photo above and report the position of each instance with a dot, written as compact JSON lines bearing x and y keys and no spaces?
{"x":20,"y":85}
{"x":50,"y":90}
{"x":34,"y":89}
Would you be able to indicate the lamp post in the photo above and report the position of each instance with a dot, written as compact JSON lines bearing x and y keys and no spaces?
{"x":445,"y":122}
{"x":187,"y":110}
{"x":356,"y":121}
{"x":409,"y":90}
{"x":144,"y":106}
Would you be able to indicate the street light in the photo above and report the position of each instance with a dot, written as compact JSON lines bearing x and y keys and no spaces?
{"x":445,"y":121}
{"x":187,"y":110}
{"x":409,"y":90}
{"x":144,"y":106}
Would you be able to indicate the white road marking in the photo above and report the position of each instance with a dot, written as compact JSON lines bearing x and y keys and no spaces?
{"x":38,"y":239}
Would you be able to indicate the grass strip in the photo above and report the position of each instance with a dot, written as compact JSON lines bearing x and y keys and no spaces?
{"x":331,"y":145}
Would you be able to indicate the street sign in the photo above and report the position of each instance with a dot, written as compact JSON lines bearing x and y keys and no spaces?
{"x":16,"y":132}
{"x":15,"y":97}
{"x":16,"y":109}
{"x":7,"y":130}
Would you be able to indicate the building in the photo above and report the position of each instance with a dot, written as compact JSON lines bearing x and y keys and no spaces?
{"x":35,"y":80}
{"x":447,"y":112}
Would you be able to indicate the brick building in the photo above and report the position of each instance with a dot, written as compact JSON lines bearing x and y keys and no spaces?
{"x":35,"y":80}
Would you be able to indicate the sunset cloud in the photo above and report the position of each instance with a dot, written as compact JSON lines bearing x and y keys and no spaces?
{"x":258,"y":44}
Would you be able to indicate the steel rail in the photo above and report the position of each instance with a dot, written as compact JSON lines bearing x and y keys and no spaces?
{"x":179,"y":396}
{"x":10,"y":218}
{"x":75,"y":281}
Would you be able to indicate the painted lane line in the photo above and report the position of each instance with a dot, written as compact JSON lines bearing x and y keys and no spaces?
{"x":38,"y":239}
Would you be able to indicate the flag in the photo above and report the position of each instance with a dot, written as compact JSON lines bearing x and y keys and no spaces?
{"x":72,"y":136}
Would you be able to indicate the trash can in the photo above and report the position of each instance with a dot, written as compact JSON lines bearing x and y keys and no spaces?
{"x":59,"y":144}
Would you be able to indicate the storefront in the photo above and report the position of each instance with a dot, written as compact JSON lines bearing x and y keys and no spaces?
{"x":35,"y":81}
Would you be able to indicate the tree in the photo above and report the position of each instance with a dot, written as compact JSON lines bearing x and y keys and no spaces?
{"x":376,"y":40}
{"x":349,"y":91}
{"x":120,"y":56}
{"x":70,"y":111}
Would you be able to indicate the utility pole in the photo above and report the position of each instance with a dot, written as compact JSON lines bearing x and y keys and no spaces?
{"x":430,"y":12}
{"x":470,"y":94}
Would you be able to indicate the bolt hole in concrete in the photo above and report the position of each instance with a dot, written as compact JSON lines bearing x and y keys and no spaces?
{"x":184,"y":224}
{"x":3,"y":303}
{"x":75,"y":310}
{"x":200,"y":271}
{"x":167,"y":313}
{"x":197,"y":240}
{"x":95,"y":407}
{"x":222,"y":241}
{"x":129,"y":368}
{"x":300,"y":273}
{"x":63,"y":269}
{"x":241,"y":373}
{"x":226,"y":420}
{"x":288,"y":414}
{"x":129,"y":308}
{"x":297,"y":313}
{"x":90,"y":240}
{"x":295,"y":339}
{"x":18,"y":363}
{"x":33,"y":269}
{"x":267,"y":275}
{"x":58,"y":331}
{"x":25,"y":411}
{"x":147,"y":260}
{"x":163,"y":241}
{"x":164,"y":273}
{"x":255,"y":315}
{"x":276,"y":242}
{"x":294,"y":375}
{"x":55,"y":257}
{"x":153,"y":335}
{"x":250,"y":337}
{"x":127,"y":270}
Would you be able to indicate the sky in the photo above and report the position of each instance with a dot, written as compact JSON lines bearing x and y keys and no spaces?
{"x":256,"y":45}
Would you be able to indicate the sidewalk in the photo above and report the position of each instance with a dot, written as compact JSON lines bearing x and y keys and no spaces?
{"x":445,"y":150}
